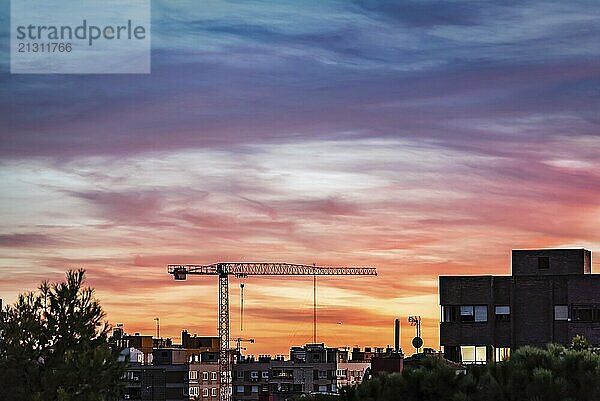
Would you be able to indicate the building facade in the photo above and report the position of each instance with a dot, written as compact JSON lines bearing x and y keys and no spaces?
{"x":203,"y":379}
{"x":312,"y":369}
{"x":177,"y":374}
{"x":550,"y":297}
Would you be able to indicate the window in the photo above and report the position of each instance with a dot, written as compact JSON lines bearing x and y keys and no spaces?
{"x":473,"y":354}
{"x":322,"y":374}
{"x":449,"y":314}
{"x":213,"y":391}
{"x":240,"y":374}
{"x":265,"y":374}
{"x":193,"y":375}
{"x":323,"y":389}
{"x":194,"y":390}
{"x":467,"y":314}
{"x":470,"y":313}
{"x":481,"y":313}
{"x":501,"y":354}
{"x":502,"y":313}
{"x":240,"y":389}
{"x":204,"y":375}
{"x":255,"y":389}
{"x":586,"y":313}
{"x":340,"y":373}
{"x":543,"y":262}
{"x":561,"y":312}
{"x":213,"y":375}
{"x":204,"y":392}
{"x":254,"y":374}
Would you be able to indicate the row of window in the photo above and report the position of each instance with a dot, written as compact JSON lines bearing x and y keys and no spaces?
{"x":471,"y":354}
{"x":479,"y":313}
{"x":253,"y":374}
{"x":241,"y":389}
{"x":473,"y":313}
{"x":349,"y":373}
{"x":193,"y":375}
{"x":284,"y":388}
{"x":579,"y":313}
{"x":205,"y":391}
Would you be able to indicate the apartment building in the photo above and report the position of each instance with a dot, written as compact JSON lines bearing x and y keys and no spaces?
{"x":313,"y":368}
{"x":176,"y":373}
{"x":550,"y":297}
{"x":203,"y":379}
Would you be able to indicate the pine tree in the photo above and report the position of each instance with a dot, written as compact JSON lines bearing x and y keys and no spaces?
{"x":53,"y":346}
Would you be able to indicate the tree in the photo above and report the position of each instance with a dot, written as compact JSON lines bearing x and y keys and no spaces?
{"x":531,"y":374}
{"x":53,"y":346}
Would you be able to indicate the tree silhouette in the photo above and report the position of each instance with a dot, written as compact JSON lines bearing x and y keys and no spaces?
{"x":556,"y":373}
{"x":53,"y":346}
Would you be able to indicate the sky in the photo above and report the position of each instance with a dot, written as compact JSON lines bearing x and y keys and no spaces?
{"x":423,"y":138}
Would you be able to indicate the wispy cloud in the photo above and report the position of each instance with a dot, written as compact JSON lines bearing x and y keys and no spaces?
{"x":421,"y":137}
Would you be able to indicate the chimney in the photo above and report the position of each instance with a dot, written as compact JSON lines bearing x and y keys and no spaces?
{"x":397,"y":335}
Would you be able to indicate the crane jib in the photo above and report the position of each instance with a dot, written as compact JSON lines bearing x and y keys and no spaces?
{"x":269,"y":269}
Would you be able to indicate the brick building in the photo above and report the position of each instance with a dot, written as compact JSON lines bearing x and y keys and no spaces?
{"x":550,"y":297}
{"x":204,"y":378}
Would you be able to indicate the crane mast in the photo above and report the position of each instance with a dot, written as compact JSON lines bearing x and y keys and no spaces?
{"x":242,"y":270}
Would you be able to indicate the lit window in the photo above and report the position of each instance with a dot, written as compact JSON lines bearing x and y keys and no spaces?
{"x":240,"y":389}
{"x":501,"y":354}
{"x":473,"y":354}
{"x":255,"y":389}
{"x":561,"y":312}
{"x":467,"y":354}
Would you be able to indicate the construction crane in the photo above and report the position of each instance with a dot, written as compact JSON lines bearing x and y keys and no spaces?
{"x":243,"y":270}
{"x":238,"y":345}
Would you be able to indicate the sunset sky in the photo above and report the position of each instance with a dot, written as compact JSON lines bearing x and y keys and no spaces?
{"x":423,"y":138}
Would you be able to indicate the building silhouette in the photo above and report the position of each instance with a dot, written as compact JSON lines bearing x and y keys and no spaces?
{"x":550,"y":297}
